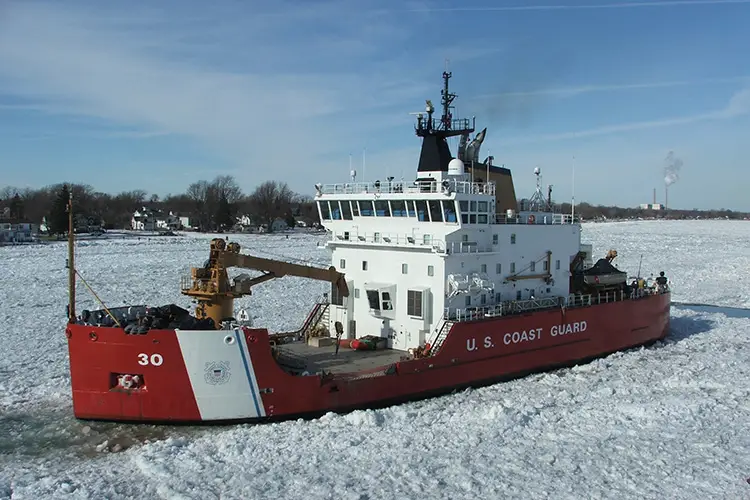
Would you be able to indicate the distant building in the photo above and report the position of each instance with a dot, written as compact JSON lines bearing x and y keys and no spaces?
{"x":652,"y":206}
{"x":23,"y":232}
{"x":148,"y":219}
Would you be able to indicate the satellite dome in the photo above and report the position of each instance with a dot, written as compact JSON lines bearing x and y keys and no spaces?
{"x":455,"y":167}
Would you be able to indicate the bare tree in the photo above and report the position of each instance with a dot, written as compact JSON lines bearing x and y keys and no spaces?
{"x":271,"y":200}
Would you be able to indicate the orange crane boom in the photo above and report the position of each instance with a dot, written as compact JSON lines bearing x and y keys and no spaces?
{"x":211,"y":288}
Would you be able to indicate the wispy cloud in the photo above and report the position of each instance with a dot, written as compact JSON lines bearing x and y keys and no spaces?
{"x":139,"y":73}
{"x":591,"y":6}
{"x":586,"y":89}
{"x":738,"y":105}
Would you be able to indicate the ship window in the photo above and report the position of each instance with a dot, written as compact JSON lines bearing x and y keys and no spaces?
{"x":498,"y":297}
{"x":512,"y":267}
{"x":482,"y":218}
{"x":355,"y":209}
{"x":346,"y":210}
{"x":364,"y":265}
{"x":532,"y":266}
{"x":472,"y":218}
{"x":410,"y":206}
{"x":381,"y":208}
{"x":498,"y":268}
{"x":518,"y":295}
{"x":387,"y":304}
{"x":557,"y":264}
{"x":414,"y":303}
{"x":465,"y":218}
{"x":404,"y":268}
{"x":342,"y":264}
{"x":365,"y":208}
{"x":465,"y":238}
{"x":430,"y":271}
{"x":484,"y":299}
{"x":346,"y":235}
{"x":426,"y":239}
{"x":398,"y":208}
{"x":422,"y":210}
{"x":494,"y":239}
{"x":484,"y":268}
{"x":356,"y":293}
{"x":336,"y":298}
{"x":373,"y":299}
{"x":473,"y":206}
{"x":513,"y":239}
{"x":436,"y":213}
{"x":468,"y":300}
{"x":481,"y":206}
{"x":449,"y":211}
{"x":545,"y":266}
{"x":464,"y":205}
{"x":335,"y":210}
{"x":325,"y":211}
{"x":376,"y":238}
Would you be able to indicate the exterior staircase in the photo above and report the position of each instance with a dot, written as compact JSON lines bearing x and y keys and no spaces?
{"x":444,"y":327}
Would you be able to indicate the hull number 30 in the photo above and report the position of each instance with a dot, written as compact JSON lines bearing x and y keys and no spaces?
{"x":154,"y":360}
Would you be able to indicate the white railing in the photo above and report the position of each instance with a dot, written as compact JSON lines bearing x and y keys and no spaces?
{"x":445,"y":187}
{"x":536,"y":219}
{"x":519,"y":306}
{"x":400,"y":239}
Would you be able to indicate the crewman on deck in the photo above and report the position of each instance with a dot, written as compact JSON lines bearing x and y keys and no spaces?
{"x":661,"y":281}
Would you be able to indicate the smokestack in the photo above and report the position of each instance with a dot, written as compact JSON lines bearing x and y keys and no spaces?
{"x":654,"y":196}
{"x":666,"y":196}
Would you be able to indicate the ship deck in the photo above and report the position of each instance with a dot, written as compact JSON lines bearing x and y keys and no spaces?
{"x":302,"y":357}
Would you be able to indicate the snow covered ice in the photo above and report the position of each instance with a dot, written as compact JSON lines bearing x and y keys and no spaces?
{"x":668,"y":421}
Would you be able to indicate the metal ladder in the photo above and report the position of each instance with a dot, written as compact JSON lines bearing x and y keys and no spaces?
{"x":441,"y":336}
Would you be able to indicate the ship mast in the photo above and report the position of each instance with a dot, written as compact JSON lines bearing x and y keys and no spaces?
{"x":71,"y":264}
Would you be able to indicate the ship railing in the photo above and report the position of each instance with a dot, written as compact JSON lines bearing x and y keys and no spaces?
{"x":511,"y":307}
{"x":399,"y":187}
{"x":538,"y":219}
{"x":424,"y":240}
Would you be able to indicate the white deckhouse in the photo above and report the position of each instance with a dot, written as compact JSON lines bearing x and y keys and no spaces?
{"x":446,"y":246}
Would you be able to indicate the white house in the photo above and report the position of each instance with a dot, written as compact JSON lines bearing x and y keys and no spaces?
{"x":148,"y":219}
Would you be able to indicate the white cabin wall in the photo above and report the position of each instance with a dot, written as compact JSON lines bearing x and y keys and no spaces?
{"x":384,"y":267}
{"x":531,"y":243}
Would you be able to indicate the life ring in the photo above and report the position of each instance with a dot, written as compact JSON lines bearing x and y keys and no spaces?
{"x":532,"y":219}
{"x":126,"y":381}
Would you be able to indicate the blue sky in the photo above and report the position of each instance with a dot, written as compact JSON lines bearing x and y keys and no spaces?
{"x":155,"y":95}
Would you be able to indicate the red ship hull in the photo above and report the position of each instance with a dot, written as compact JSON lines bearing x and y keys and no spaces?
{"x":232,"y":376}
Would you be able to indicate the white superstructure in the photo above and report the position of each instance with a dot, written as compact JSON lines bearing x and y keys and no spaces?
{"x":448,"y":244}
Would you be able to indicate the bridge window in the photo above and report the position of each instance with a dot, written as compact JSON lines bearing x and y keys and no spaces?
{"x":325,"y":211}
{"x":414,"y":303}
{"x":366,"y":209}
{"x":404,"y":268}
{"x":430,"y":271}
{"x":387,"y":304}
{"x":342,"y":264}
{"x":436,"y":214}
{"x":364,"y":265}
{"x":398,"y":208}
{"x":335,"y":210}
{"x":346,"y":210}
{"x":513,"y":239}
{"x":410,"y":207}
{"x":422,"y":210}
{"x":355,"y":208}
{"x":381,"y":208}
{"x":449,"y":211}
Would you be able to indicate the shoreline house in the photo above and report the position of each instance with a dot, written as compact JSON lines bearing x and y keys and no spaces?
{"x":149,"y":219}
{"x":22,"y":232}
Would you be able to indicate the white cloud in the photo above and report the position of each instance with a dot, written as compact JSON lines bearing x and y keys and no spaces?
{"x":137,"y":72}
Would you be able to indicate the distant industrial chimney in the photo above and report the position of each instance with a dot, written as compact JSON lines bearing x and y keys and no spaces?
{"x":654,"y":196}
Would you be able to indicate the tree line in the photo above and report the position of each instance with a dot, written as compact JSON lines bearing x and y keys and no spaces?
{"x":210,"y":205}
{"x":214,"y":206}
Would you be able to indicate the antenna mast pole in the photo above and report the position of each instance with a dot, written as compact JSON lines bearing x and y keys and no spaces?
{"x":71,"y":264}
{"x":573,"y":192}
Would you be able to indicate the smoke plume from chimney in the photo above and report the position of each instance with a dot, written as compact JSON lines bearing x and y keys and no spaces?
{"x":672,"y":169}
